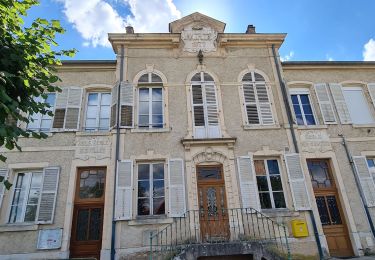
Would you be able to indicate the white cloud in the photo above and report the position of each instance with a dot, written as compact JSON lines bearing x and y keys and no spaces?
{"x":369,"y":51}
{"x":287,"y":56}
{"x":94,"y":19}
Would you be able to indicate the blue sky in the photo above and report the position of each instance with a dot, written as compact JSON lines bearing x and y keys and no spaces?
{"x":317,"y":29}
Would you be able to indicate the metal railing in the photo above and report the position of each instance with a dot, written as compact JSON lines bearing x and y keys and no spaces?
{"x":219,"y":226}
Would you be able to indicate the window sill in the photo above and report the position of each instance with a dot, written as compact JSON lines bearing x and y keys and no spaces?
{"x":97,"y":133}
{"x":18,"y":227}
{"x":150,"y":220}
{"x":280,"y":213}
{"x":150,"y":130}
{"x":363,"y":126}
{"x":309,"y":127}
{"x":261,"y":127}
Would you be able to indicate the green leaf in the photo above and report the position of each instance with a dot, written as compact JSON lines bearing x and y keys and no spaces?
{"x":2,"y":158}
{"x":7,"y":184}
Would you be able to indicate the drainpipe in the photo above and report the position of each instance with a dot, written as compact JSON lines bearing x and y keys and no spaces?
{"x":357,"y":182}
{"x":290,"y":121}
{"x":117,"y":156}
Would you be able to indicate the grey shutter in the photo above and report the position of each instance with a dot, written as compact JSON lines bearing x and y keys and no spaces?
{"x":212,"y":127}
{"x":325,"y":103}
{"x":371,"y":90}
{"x":265,"y":110}
{"x":297,"y":182}
{"x":4,"y":174}
{"x":73,"y":108}
{"x":114,"y":105}
{"x":248,"y":184}
{"x":60,"y":108}
{"x":176,"y":183}
{"x":127,"y":101}
{"x":47,"y":200}
{"x":341,"y":107}
{"x":366,"y":180}
{"x":124,"y":190}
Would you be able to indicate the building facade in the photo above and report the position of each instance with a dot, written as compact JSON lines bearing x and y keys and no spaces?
{"x":196,"y":131}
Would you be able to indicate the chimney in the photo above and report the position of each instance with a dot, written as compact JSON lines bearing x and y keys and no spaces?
{"x":250,"y":29}
{"x":129,"y":29}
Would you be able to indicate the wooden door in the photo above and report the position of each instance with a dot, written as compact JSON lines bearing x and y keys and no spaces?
{"x":87,"y":226}
{"x":213,"y":213}
{"x":329,"y":207}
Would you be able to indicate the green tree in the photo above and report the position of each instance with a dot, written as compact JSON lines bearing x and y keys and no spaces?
{"x":28,"y":64}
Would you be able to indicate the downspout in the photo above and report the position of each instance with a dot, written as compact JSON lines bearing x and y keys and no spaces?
{"x":117,"y":155}
{"x":357,"y":182}
{"x":290,"y":121}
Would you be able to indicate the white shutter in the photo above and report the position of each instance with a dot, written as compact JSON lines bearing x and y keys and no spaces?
{"x":47,"y":200}
{"x":371,"y":90}
{"x":297,"y":182}
{"x":73,"y":108}
{"x":265,"y":110}
{"x":197,"y":104}
{"x":325,"y":103}
{"x":60,"y":109}
{"x":124,"y":190}
{"x":365,"y":178}
{"x":114,"y":91}
{"x":176,"y":183}
{"x":248,"y":184}
{"x":341,"y":107}
{"x":250,"y":104}
{"x":212,"y":127}
{"x":126,"y":102}
{"x":4,"y":174}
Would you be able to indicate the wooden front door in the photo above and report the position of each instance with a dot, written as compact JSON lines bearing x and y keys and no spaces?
{"x":213,"y":213}
{"x":86,"y":236}
{"x":329,"y":207}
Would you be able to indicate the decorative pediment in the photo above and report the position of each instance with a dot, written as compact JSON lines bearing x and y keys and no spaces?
{"x":196,"y":20}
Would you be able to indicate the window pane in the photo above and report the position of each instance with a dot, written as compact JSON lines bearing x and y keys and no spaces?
{"x":91,"y":185}
{"x":104,"y":112}
{"x":307,"y":109}
{"x":155,"y":78}
{"x":157,"y":108}
{"x":273,"y":167}
{"x":158,"y":189}
{"x":323,"y":211}
{"x":143,"y":206}
{"x":310,"y":120}
{"x":157,"y":94}
{"x":143,"y":171}
{"x":82,"y":224}
{"x":143,"y":121}
{"x":33,"y":196}
{"x":294,"y":99}
{"x":158,"y":171}
{"x":260,"y":169}
{"x":92,"y":112}
{"x":92,"y":99}
{"x":334,"y":210}
{"x":50,"y":99}
{"x":157,"y":120}
{"x":279,"y":200}
{"x":106,"y":99}
{"x":209,"y":173}
{"x":95,"y":224}
{"x":143,"y":189}
{"x":299,"y":119}
{"x":196,"y":77}
{"x":36,"y":180}
{"x":30,"y":213}
{"x":144,"y":78}
{"x":143,"y":108}
{"x":15,"y":214}
{"x":46,"y":124}
{"x":304,"y":99}
{"x":297,"y":109}
{"x":91,"y":123}
{"x":104,"y":124}
{"x":262,"y":183}
{"x":143,"y":94}
{"x":358,"y":107}
{"x":159,"y":206}
{"x":265,"y":200}
{"x":276,"y":183}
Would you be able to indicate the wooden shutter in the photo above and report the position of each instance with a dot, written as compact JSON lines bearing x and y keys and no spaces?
{"x":73,"y":108}
{"x":176,"y":183}
{"x":4,"y":174}
{"x":124,"y":190}
{"x":248,"y":184}
{"x":365,"y":179}
{"x":60,"y":108}
{"x":114,"y":105}
{"x":126,"y":99}
{"x":297,"y":182}
{"x":341,"y":107}
{"x":371,"y":90}
{"x":47,"y":200}
{"x":265,"y":110}
{"x":325,"y":103}
{"x":212,"y":127}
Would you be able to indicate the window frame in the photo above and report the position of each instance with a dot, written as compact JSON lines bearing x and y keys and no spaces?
{"x":97,"y":122}
{"x":151,"y":183}
{"x":269,"y":185}
{"x":298,"y":92}
{"x":41,"y":116}
{"x":372,"y":171}
{"x":363,"y":94}
{"x":27,"y":194}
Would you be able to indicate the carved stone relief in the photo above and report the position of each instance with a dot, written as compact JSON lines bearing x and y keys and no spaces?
{"x":97,"y":147}
{"x":198,"y":37}
{"x":315,"y":141}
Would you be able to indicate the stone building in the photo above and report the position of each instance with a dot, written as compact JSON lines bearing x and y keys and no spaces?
{"x":196,"y":137}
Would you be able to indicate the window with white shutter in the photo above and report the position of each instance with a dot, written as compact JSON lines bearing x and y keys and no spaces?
{"x":114,"y":93}
{"x":248,"y":184}
{"x":176,"y":183}
{"x":205,"y":106}
{"x":257,"y":104}
{"x":366,"y":179}
{"x":300,"y":194}
{"x":124,"y":190}
{"x":68,"y":108}
{"x":3,"y":177}
{"x":371,"y":90}
{"x":357,"y":105}
{"x":127,"y":104}
{"x":325,"y":103}
{"x":39,"y":122}
{"x":48,"y":195}
{"x":340,"y":103}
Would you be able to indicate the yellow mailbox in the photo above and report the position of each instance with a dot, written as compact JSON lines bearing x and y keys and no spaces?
{"x":299,"y":228}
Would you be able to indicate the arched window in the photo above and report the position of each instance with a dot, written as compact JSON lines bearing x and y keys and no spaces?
{"x":257,"y":103}
{"x":205,"y":106}
{"x":150,"y":101}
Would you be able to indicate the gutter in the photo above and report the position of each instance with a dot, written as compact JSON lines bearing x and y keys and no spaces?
{"x":117,"y":156}
{"x":290,"y":121}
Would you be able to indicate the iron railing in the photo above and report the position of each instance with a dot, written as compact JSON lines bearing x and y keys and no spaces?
{"x":220,"y":226}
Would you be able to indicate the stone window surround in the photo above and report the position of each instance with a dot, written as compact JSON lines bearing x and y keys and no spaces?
{"x":297,"y":90}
